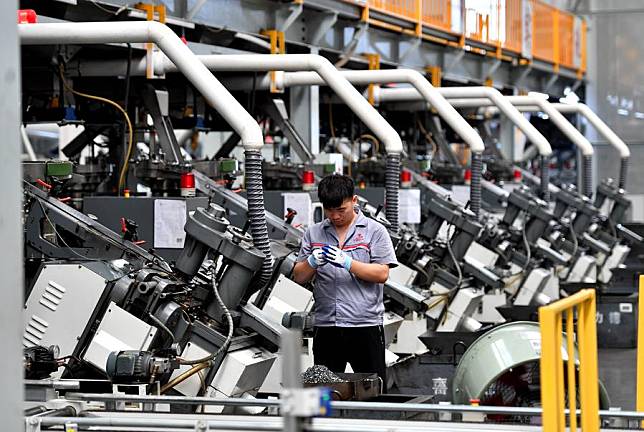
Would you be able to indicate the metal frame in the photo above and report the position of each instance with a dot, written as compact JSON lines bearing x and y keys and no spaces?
{"x":11,"y":264}
{"x":461,"y":59}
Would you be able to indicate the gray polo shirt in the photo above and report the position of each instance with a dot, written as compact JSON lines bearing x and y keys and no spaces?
{"x":341,"y":299}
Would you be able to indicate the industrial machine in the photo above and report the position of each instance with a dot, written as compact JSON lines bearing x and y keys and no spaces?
{"x":155,"y":270}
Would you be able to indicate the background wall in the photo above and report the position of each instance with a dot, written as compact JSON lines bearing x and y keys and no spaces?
{"x":615,"y":88}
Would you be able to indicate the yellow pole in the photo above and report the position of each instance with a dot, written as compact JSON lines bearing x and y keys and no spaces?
{"x":561,"y":399}
{"x":548,"y":370}
{"x":572,"y":385}
{"x":639,"y":405}
{"x":588,"y":375}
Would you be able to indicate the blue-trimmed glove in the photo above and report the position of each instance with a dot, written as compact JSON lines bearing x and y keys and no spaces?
{"x":337,"y":257}
{"x":316,"y":259}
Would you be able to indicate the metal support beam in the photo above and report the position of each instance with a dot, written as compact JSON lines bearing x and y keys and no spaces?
{"x":457,"y":58}
{"x":523,"y":74}
{"x":413,"y":46}
{"x":11,"y":318}
{"x":350,"y":48}
{"x":192,"y":12}
{"x":489,"y":72}
{"x":551,"y":81}
{"x":286,"y":15}
{"x":305,"y":115}
{"x":276,"y":110}
{"x":506,"y":138}
{"x":322,"y":25}
{"x":228,"y":146}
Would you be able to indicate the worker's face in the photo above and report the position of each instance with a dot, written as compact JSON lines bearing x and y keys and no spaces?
{"x":343,"y":215}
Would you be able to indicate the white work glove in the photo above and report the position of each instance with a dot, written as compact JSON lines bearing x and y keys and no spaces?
{"x":316,"y":259}
{"x":337,"y":257}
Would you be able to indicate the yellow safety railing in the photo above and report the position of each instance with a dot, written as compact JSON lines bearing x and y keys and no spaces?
{"x":513,"y":25}
{"x":438,"y":14}
{"x":553,"y":388}
{"x":497,"y":23}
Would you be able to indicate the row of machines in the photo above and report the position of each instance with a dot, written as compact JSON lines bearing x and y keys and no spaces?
{"x":118,"y":296}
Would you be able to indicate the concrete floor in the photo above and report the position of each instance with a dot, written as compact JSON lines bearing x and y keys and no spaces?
{"x":617,"y":370}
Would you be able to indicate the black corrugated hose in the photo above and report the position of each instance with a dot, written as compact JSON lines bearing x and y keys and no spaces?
{"x":623,"y":172}
{"x":392,"y":186}
{"x":588,"y":176}
{"x":545,"y":178}
{"x":256,"y":212}
{"x":475,"y":191}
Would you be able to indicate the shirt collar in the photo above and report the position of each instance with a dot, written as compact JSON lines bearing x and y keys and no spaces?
{"x":361,"y":220}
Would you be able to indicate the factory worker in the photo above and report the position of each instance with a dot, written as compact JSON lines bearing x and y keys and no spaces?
{"x":350,"y":256}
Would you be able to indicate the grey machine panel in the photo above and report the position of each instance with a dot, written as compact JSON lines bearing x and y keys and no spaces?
{"x":110,"y":210}
{"x":62,"y":301}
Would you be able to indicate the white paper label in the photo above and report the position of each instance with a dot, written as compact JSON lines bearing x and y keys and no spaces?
{"x":169,"y":220}
{"x":409,"y":206}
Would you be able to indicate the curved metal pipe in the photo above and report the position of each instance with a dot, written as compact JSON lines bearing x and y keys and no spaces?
{"x":605,"y":131}
{"x":491,"y":96}
{"x":326,"y":73}
{"x":426,"y":91}
{"x":184,"y":61}
{"x":504,"y":105}
{"x":487,"y":95}
{"x":535,"y":103}
{"x":171,"y":45}
{"x":584,"y":110}
{"x":422,"y":87}
{"x":558,"y":119}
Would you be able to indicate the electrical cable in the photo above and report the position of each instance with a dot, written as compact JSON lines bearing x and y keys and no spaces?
{"x":458,"y":267}
{"x":448,"y":295}
{"x":118,"y":107}
{"x":163,"y":327}
{"x":95,"y":3}
{"x":331,"y":127}
{"x":229,"y":337}
{"x":573,"y":236}
{"x":526,"y":245}
{"x":90,"y":229}
{"x":374,"y":141}
{"x":429,"y":138}
{"x":184,"y":376}
{"x":59,"y":237}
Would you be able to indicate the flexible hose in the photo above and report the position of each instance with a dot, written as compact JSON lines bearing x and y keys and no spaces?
{"x":256,"y":213}
{"x":163,"y":327}
{"x":229,"y":336}
{"x":475,"y":186}
{"x":457,"y":266}
{"x":545,"y":178}
{"x":623,"y":172}
{"x":588,"y":176}
{"x":575,"y":241}
{"x":184,"y":376}
{"x":392,"y":186}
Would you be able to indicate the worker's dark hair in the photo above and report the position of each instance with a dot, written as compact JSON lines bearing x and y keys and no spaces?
{"x":334,"y":189}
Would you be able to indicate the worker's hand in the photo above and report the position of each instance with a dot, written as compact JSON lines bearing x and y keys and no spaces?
{"x":316,"y":259}
{"x":337,"y":257}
